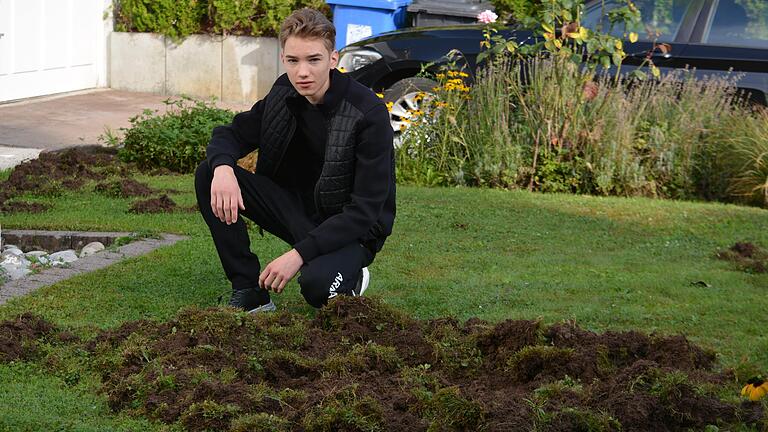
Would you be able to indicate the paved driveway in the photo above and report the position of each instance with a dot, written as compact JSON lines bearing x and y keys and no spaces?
{"x":56,"y":122}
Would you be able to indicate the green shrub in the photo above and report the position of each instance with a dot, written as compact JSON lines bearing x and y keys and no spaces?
{"x":178,"y":19}
{"x":174,"y":18}
{"x":516,"y":10}
{"x":175,"y":140}
{"x":234,"y":16}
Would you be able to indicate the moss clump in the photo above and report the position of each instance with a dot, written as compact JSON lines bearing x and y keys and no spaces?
{"x":453,"y":350}
{"x":364,"y":357}
{"x":578,"y":420}
{"x":290,"y":334}
{"x":261,"y":422}
{"x":261,"y":397}
{"x":345,"y":410}
{"x":532,"y":361}
{"x":369,"y":312}
{"x":289,"y":363}
{"x":208,"y":416}
{"x":447,"y":409}
{"x":558,"y":388}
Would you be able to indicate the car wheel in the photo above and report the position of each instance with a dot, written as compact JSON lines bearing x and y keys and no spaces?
{"x":404,"y":97}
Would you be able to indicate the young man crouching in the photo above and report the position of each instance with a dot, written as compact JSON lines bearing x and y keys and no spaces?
{"x":324,"y":181}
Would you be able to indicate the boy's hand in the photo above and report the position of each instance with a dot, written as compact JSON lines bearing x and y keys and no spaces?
{"x":280,"y":271}
{"x":226,"y":198}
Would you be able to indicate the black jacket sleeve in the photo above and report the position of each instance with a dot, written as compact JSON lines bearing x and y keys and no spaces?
{"x":231,"y":142}
{"x":369,"y":191}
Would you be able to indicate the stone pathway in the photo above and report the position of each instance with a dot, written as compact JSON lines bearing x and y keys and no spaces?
{"x":26,"y":285}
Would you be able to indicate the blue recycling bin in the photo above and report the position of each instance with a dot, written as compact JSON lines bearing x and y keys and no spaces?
{"x":359,"y":19}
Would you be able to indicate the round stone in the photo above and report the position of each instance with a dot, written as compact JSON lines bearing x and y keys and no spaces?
{"x":91,"y":248}
{"x":11,"y":251}
{"x":63,"y":257}
{"x":35,"y":254}
{"x":16,"y":266}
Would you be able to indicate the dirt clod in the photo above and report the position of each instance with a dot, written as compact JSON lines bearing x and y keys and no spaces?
{"x":162,"y":204}
{"x":23,"y":207}
{"x":19,"y":337}
{"x":747,"y":257}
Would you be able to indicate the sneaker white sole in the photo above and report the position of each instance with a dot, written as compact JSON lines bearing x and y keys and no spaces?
{"x":366,"y":280}
{"x":269,"y":307}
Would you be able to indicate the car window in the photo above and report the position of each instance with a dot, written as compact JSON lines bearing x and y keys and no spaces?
{"x":739,"y":23}
{"x":661,"y":19}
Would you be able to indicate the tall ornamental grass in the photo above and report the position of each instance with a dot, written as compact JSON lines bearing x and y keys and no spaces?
{"x":549,"y":125}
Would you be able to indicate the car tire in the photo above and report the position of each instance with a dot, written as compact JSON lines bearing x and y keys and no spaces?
{"x":402,"y":95}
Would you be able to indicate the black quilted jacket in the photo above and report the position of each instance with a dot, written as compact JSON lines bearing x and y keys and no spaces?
{"x":355,"y":194}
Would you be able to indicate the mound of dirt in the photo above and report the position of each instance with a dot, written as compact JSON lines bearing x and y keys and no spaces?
{"x":360,"y":365}
{"x":8,"y":207}
{"x":55,"y":172}
{"x":19,"y":337}
{"x":747,"y":257}
{"x":161,"y":204}
{"x":124,"y":188}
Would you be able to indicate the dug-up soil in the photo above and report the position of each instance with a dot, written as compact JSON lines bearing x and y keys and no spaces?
{"x":747,"y":257}
{"x":362,"y":366}
{"x":71,"y":169}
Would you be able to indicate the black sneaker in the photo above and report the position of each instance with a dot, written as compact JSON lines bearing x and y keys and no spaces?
{"x":362,"y":282}
{"x":249,"y":300}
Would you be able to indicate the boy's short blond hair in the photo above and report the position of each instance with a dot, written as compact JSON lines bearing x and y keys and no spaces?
{"x":311,"y":24}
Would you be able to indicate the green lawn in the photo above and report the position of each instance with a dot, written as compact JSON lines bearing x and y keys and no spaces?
{"x":608,"y":263}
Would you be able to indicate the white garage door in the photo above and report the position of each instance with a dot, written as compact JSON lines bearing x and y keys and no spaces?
{"x":51,"y":46}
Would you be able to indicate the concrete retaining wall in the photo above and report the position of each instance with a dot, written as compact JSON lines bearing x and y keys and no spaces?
{"x":231,"y":68}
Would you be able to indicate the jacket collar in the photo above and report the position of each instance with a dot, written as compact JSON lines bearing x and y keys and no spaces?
{"x":332,"y":97}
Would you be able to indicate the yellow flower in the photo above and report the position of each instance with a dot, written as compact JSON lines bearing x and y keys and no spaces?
{"x":435,"y":89}
{"x":440,"y":76}
{"x":389,"y":106}
{"x":755,"y":389}
{"x":463,"y":74}
{"x":341,"y":69}
{"x":380,"y":95}
{"x":456,"y":81}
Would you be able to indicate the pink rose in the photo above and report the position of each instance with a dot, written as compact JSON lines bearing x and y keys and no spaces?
{"x":487,"y":17}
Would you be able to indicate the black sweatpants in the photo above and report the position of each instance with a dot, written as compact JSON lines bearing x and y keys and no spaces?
{"x":280,"y":212}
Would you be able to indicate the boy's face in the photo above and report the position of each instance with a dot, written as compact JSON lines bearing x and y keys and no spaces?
{"x":307,"y":62}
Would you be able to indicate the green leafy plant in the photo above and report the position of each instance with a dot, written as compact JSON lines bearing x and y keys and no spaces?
{"x":179,"y":19}
{"x":173,"y":18}
{"x":234,"y":16}
{"x":174,"y":140}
